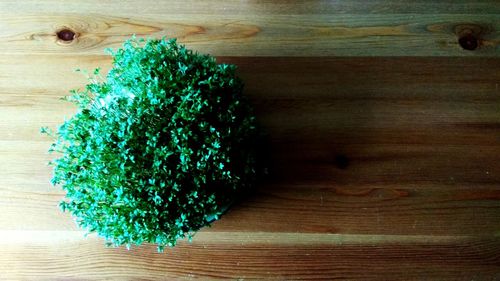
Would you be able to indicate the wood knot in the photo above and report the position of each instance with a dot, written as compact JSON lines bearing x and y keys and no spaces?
{"x":66,"y":35}
{"x":468,"y":42}
{"x":341,"y":161}
{"x":470,"y":35}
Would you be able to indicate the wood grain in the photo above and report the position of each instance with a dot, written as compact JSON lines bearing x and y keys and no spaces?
{"x":422,"y":150}
{"x":384,"y":138}
{"x":257,"y":7}
{"x":255,"y":34}
{"x":260,"y":256}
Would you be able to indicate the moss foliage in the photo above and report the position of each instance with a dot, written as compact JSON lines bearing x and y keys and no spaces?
{"x":157,"y":149}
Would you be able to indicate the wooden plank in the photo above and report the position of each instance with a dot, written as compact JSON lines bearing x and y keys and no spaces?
{"x":250,"y":33}
{"x":257,"y":256}
{"x":261,"y":7}
{"x":359,"y":145}
{"x":426,"y":78}
{"x":339,"y":100}
{"x":384,"y":138}
{"x":378,"y":209}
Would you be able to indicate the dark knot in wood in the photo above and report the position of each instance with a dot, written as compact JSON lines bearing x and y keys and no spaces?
{"x":468,"y":42}
{"x":341,"y":161}
{"x":66,"y":35}
{"x":470,"y":36}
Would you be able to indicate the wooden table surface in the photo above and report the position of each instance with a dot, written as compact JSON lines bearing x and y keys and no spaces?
{"x":385,"y":138}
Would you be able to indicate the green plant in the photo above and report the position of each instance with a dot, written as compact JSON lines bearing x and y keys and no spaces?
{"x":157,"y":150}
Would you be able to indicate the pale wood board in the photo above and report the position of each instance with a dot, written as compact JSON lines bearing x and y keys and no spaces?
{"x":255,"y":34}
{"x":384,"y":139}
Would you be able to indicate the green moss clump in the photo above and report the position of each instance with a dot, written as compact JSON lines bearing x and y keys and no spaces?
{"x":159,"y":148}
